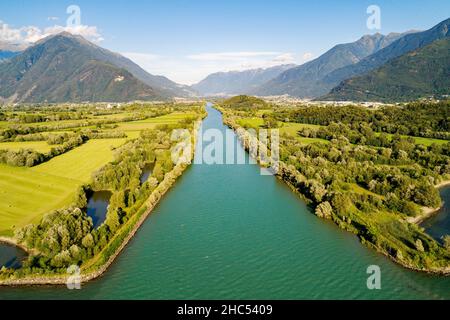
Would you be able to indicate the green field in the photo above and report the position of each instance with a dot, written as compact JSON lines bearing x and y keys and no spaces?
{"x":424,"y":141}
{"x":151,"y":123}
{"x":254,"y":122}
{"x":28,"y":193}
{"x":133,"y":134}
{"x":285,"y":128}
{"x":25,"y":195}
{"x":39,"y":146}
{"x":80,"y":163}
{"x":292,"y":128}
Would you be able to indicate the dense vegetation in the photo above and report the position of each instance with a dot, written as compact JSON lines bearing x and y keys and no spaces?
{"x":47,"y":126}
{"x":29,"y":158}
{"x":67,"y":236}
{"x":418,"y":119}
{"x":244,"y":103}
{"x":367,"y":183}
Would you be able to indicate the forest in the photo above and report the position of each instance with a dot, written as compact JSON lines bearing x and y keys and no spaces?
{"x":362,"y":169}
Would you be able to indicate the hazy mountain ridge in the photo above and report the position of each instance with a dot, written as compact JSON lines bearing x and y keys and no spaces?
{"x":238,"y":82}
{"x":4,"y":55}
{"x":10,"y":49}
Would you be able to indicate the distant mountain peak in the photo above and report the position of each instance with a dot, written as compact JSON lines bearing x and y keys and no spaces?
{"x":304,"y":81}
{"x":66,"y":67}
{"x":408,"y":42}
{"x":416,"y":74}
{"x":238,"y":82}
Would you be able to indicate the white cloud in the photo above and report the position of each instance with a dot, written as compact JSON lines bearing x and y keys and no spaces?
{"x":89,"y":32}
{"x":285,"y":58}
{"x":307,"y":56}
{"x":238,"y":61}
{"x":52,"y":18}
{"x":9,"y":34}
{"x":31,"y":34}
{"x":230,"y":56}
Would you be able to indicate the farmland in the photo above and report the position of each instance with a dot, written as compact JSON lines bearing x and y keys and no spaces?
{"x":79,"y":163}
{"x":40,"y":146}
{"x":27,"y":193}
{"x":287,"y":128}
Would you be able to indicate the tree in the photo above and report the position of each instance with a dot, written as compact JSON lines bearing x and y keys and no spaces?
{"x":317,"y":190}
{"x":324,"y":210}
{"x":62,"y":259}
{"x":114,"y":219}
{"x":270,"y":123}
{"x":419,"y":245}
{"x":88,"y":241}
{"x":447,"y":242}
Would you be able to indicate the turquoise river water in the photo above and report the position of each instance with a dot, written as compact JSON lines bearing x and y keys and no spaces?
{"x":227,"y":232}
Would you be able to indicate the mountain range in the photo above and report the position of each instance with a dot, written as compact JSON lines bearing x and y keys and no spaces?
{"x":66,"y":67}
{"x":398,"y":48}
{"x":238,"y":82}
{"x":340,"y":71}
{"x":5,"y":55}
{"x":305,"y":81}
{"x":419,"y":73}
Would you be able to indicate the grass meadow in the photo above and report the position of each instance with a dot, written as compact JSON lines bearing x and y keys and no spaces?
{"x":26,"y":194}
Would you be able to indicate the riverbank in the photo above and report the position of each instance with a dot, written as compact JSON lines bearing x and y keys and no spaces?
{"x":426,"y":211}
{"x":93,"y":271}
{"x":14,"y":243}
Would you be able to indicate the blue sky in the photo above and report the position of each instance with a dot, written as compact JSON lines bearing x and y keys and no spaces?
{"x":188,"y":39}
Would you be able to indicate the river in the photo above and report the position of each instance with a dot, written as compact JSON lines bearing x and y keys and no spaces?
{"x":227,"y":232}
{"x":439,"y":225}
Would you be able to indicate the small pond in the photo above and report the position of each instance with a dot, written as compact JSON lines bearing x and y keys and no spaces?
{"x":11,"y":256}
{"x":439,"y":225}
{"x":98,"y":206}
{"x":146,"y":172}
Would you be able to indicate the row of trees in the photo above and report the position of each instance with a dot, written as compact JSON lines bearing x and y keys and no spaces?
{"x":30,"y":158}
{"x":20,"y":131}
{"x":419,"y":119}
